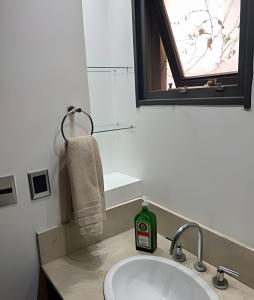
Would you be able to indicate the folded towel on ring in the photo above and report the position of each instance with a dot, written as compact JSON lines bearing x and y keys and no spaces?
{"x":86,"y":184}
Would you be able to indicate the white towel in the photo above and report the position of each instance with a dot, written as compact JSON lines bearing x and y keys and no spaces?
{"x":86,"y":182}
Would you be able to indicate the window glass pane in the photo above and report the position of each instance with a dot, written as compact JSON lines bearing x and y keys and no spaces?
{"x":170,"y":78}
{"x":206,"y":33}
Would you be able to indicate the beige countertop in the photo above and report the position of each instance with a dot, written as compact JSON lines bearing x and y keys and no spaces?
{"x":80,"y":275}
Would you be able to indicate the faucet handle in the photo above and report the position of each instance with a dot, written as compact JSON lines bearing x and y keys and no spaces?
{"x":229,"y":271}
{"x":219,"y":281}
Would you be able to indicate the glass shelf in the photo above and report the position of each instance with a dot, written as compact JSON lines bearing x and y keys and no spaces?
{"x":112,"y":127}
{"x":105,"y":69}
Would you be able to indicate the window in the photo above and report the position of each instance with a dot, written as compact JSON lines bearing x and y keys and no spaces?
{"x":193,"y":52}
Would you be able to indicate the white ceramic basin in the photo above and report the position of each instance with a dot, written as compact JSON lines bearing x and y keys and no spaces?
{"x":154,"y":278}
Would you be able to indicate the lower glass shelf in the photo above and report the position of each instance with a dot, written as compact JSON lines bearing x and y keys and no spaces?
{"x":112,"y":127}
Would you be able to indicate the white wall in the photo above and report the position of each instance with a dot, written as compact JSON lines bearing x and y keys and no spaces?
{"x":42,"y":63}
{"x":197,"y":161}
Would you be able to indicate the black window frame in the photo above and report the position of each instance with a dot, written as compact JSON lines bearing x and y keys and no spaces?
{"x":235,"y":88}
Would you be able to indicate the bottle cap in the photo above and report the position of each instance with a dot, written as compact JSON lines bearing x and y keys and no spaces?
{"x":145,"y":204}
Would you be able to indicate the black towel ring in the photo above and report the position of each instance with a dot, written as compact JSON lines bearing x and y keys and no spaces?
{"x":71,"y":110}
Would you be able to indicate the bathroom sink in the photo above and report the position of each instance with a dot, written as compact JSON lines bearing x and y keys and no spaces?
{"x":154,"y":278}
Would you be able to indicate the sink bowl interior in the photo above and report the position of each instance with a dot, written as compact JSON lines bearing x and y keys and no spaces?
{"x":154,"y":278}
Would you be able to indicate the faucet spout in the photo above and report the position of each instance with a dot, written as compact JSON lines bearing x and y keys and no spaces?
{"x":199,"y":265}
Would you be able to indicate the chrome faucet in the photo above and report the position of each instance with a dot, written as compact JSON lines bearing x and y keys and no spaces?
{"x":199,"y":265}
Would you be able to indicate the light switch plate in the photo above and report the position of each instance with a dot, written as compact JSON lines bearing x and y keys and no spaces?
{"x":8,"y":195}
{"x":39,"y":184}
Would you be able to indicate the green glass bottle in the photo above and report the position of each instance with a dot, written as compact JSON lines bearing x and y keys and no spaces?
{"x":146,"y":230}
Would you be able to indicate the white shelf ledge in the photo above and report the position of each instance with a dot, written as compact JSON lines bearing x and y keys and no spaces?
{"x":120,"y":188}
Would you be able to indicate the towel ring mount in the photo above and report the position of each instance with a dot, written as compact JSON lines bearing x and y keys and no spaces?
{"x":71,"y":110}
